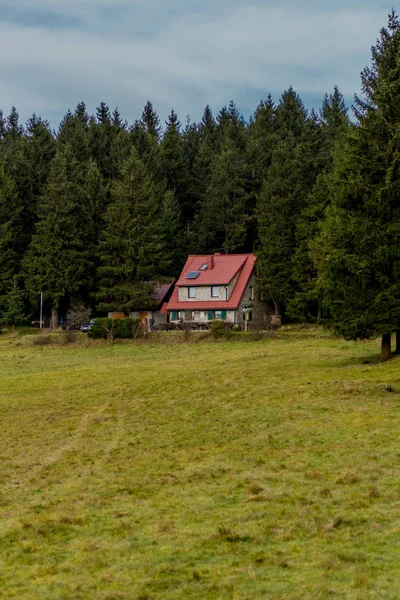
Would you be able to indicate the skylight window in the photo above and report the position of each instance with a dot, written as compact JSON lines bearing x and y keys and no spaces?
{"x":203,"y":267}
{"x":192,"y":274}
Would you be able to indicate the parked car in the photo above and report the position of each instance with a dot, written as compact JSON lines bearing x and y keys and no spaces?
{"x":86,"y":326}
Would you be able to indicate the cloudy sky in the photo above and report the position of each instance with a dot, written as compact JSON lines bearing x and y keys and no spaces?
{"x":181,"y":54}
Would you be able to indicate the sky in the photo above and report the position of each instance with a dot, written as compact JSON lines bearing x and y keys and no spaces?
{"x":181,"y":54}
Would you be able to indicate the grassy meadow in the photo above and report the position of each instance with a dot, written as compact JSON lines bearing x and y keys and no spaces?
{"x":211,"y":470}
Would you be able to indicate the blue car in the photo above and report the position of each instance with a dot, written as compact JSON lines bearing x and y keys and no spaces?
{"x":86,"y":326}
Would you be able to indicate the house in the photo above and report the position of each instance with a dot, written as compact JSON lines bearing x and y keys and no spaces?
{"x":218,"y":286}
{"x":160,"y":297}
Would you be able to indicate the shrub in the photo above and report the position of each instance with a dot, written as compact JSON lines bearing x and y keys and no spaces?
{"x":41,"y":340}
{"x":116,"y":328}
{"x":99,"y":328}
{"x":217,"y":329}
{"x":69,"y":336}
{"x":129,"y":328}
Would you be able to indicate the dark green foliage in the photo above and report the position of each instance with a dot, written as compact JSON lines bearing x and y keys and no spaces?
{"x":174,"y":167}
{"x":223,"y":216}
{"x":10,"y":231}
{"x":132,"y":249}
{"x":151,"y":121}
{"x":118,"y":328}
{"x":14,"y":310}
{"x":55,"y":261}
{"x":357,"y":252}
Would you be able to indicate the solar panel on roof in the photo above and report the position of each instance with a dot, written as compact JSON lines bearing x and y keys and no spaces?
{"x":192,"y":274}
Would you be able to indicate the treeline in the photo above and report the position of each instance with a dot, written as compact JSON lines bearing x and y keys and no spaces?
{"x":100,"y":207}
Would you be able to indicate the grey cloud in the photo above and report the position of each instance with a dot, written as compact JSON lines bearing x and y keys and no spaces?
{"x":183,"y":54}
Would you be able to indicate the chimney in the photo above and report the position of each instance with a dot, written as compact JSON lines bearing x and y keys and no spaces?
{"x":210,"y":262}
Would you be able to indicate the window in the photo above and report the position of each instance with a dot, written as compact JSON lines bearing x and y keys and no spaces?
{"x":192,"y":292}
{"x":203,"y":267}
{"x":251,"y":292}
{"x":215,"y":291}
{"x":220,"y":314}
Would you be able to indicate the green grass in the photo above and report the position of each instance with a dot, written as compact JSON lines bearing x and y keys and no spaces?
{"x":208,"y":470}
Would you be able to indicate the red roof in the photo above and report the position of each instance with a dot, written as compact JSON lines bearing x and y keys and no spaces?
{"x":226,"y":267}
{"x":161,"y":291}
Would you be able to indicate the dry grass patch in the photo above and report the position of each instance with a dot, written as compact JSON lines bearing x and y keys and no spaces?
{"x":198,"y":470}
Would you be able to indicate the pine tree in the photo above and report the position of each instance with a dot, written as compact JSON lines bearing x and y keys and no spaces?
{"x":223,"y":219}
{"x":317,"y":164}
{"x":174,"y":168}
{"x":54,"y":263}
{"x":14,"y":130}
{"x":151,"y":121}
{"x":33,"y":157}
{"x":358,"y":251}
{"x":174,"y":238}
{"x":132,"y":247}
{"x":261,"y":142}
{"x":14,"y":312}
{"x":10,"y":232}
{"x":280,"y":203}
{"x":3,"y":124}
{"x":73,"y":131}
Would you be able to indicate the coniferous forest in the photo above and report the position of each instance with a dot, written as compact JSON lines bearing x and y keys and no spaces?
{"x":94,"y":210}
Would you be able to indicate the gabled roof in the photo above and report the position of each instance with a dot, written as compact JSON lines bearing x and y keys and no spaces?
{"x":161,"y":291}
{"x":224,"y":270}
{"x":226,"y":267}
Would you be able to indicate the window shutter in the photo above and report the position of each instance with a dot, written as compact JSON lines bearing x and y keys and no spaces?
{"x":174,"y":315}
{"x":223,"y":314}
{"x":210,"y":315}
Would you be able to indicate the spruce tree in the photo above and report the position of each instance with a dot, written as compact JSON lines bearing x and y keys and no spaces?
{"x":131,"y":248}
{"x":316,"y":153}
{"x":223,"y":218}
{"x":174,"y":238}
{"x":10,"y":232}
{"x":174,"y":167}
{"x":280,"y":203}
{"x":54,"y":263}
{"x":151,"y":121}
{"x":32,"y":165}
{"x":358,"y":251}
{"x":14,"y":311}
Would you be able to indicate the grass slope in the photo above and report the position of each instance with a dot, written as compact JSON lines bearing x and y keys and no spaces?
{"x":214,"y":471}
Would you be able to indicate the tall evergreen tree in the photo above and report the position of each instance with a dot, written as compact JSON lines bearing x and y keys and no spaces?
{"x":10,"y":232}
{"x":358,"y":252}
{"x":151,"y":121}
{"x":223,"y":218}
{"x":280,"y":203}
{"x":131,"y":249}
{"x":32,"y":164}
{"x":54,"y":263}
{"x":14,"y":310}
{"x":174,"y":167}
{"x":317,"y":164}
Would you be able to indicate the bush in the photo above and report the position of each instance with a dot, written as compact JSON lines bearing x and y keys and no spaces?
{"x":41,"y":340}
{"x":99,"y":329}
{"x":69,"y":336}
{"x":217,"y":329}
{"x":116,"y":328}
{"x":129,"y":328}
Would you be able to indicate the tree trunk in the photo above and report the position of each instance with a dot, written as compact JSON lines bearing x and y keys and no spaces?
{"x":386,"y":351}
{"x":54,"y":318}
{"x":319,"y":317}
{"x":397,"y":351}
